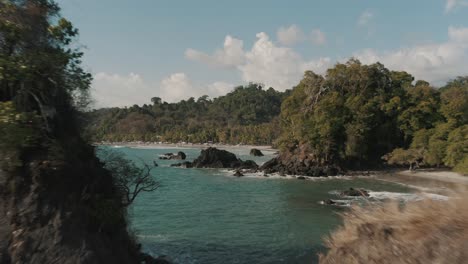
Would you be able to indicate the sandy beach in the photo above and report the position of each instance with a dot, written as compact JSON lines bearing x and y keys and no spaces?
{"x":151,"y":145}
{"x":438,"y":181}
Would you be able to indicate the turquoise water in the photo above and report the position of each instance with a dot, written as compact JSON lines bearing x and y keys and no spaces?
{"x":208,"y":216}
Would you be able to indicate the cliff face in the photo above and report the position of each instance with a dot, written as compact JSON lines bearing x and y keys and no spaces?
{"x":62,"y":210}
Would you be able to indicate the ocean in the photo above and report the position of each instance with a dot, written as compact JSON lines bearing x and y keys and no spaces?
{"x":209,"y":216}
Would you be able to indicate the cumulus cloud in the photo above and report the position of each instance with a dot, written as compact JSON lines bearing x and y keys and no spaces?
{"x":219,"y":88}
{"x":230,"y":55}
{"x":365,"y":18}
{"x":318,"y":37}
{"x":289,"y":36}
{"x":177,"y":87}
{"x":274,"y":66}
{"x":450,"y":5}
{"x":435,"y":63}
{"x":114,"y":90}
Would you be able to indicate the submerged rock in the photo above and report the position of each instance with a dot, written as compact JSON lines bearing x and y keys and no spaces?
{"x":238,"y":173}
{"x":173,"y":156}
{"x":256,"y":152}
{"x":186,"y":164}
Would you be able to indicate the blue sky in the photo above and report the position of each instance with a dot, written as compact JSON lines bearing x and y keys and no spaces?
{"x":176,"y":49}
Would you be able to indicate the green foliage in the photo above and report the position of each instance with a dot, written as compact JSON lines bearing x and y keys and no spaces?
{"x":347,"y":117}
{"x":402,"y":156}
{"x":457,"y":148}
{"x":245,"y":115}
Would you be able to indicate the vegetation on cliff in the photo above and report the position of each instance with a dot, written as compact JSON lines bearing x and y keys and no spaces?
{"x":57,"y":202}
{"x":355,"y":114}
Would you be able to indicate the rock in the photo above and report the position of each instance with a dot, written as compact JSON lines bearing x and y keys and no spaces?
{"x":249,"y":165}
{"x":297,"y":165}
{"x":172,"y":156}
{"x":331,"y":202}
{"x":301,"y":178}
{"x":148,"y":259}
{"x":256,"y":152}
{"x":186,"y":164}
{"x":355,"y":192}
{"x":181,"y":155}
{"x":217,"y":158}
{"x":238,"y":173}
{"x":328,"y":202}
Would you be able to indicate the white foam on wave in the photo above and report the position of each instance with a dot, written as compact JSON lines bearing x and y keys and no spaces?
{"x":406,"y":197}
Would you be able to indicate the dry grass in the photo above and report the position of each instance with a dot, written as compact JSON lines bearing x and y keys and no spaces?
{"x":420,"y":232}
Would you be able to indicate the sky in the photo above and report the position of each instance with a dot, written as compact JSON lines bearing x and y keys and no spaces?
{"x":177,"y":49}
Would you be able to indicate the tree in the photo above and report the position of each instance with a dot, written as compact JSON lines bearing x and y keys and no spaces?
{"x":156,"y":100}
{"x":399,"y":156}
{"x":129,"y":178}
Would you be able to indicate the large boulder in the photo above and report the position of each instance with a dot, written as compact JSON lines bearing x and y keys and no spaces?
{"x":218,"y":158}
{"x":256,"y":152}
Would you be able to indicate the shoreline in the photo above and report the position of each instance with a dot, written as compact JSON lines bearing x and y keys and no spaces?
{"x":441,"y":181}
{"x":156,"y":145}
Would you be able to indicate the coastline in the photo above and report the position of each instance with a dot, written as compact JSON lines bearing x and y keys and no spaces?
{"x":156,"y":145}
{"x":441,"y":181}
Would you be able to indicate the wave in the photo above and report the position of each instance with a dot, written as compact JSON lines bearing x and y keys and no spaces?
{"x":406,"y":197}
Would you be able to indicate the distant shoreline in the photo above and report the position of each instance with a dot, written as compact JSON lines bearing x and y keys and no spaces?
{"x":154,"y":145}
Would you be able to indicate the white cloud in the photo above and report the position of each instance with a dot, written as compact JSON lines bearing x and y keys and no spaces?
{"x":219,"y":88}
{"x":450,"y":5}
{"x":177,"y":87}
{"x":229,"y":56}
{"x":318,"y":37}
{"x":365,"y":18}
{"x":435,"y":63}
{"x":109,"y":90}
{"x":290,"y":35}
{"x":274,"y":66}
{"x":113,"y":90}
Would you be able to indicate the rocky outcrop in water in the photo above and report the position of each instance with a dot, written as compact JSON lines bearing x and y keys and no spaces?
{"x":298,"y":167}
{"x":186,"y":164}
{"x":218,"y":158}
{"x":256,"y":152}
{"x":173,"y":156}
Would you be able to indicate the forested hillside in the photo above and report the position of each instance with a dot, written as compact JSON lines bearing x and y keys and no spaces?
{"x":352,"y":117}
{"x":246,"y":115}
{"x":356,"y":113}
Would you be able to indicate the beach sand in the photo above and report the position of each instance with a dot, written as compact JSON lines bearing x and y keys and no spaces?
{"x":150,"y":145}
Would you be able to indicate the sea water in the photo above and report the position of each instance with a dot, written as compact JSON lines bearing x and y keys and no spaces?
{"x":209,"y":216}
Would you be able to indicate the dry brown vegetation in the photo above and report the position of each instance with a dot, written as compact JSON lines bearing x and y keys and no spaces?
{"x":419,"y":232}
